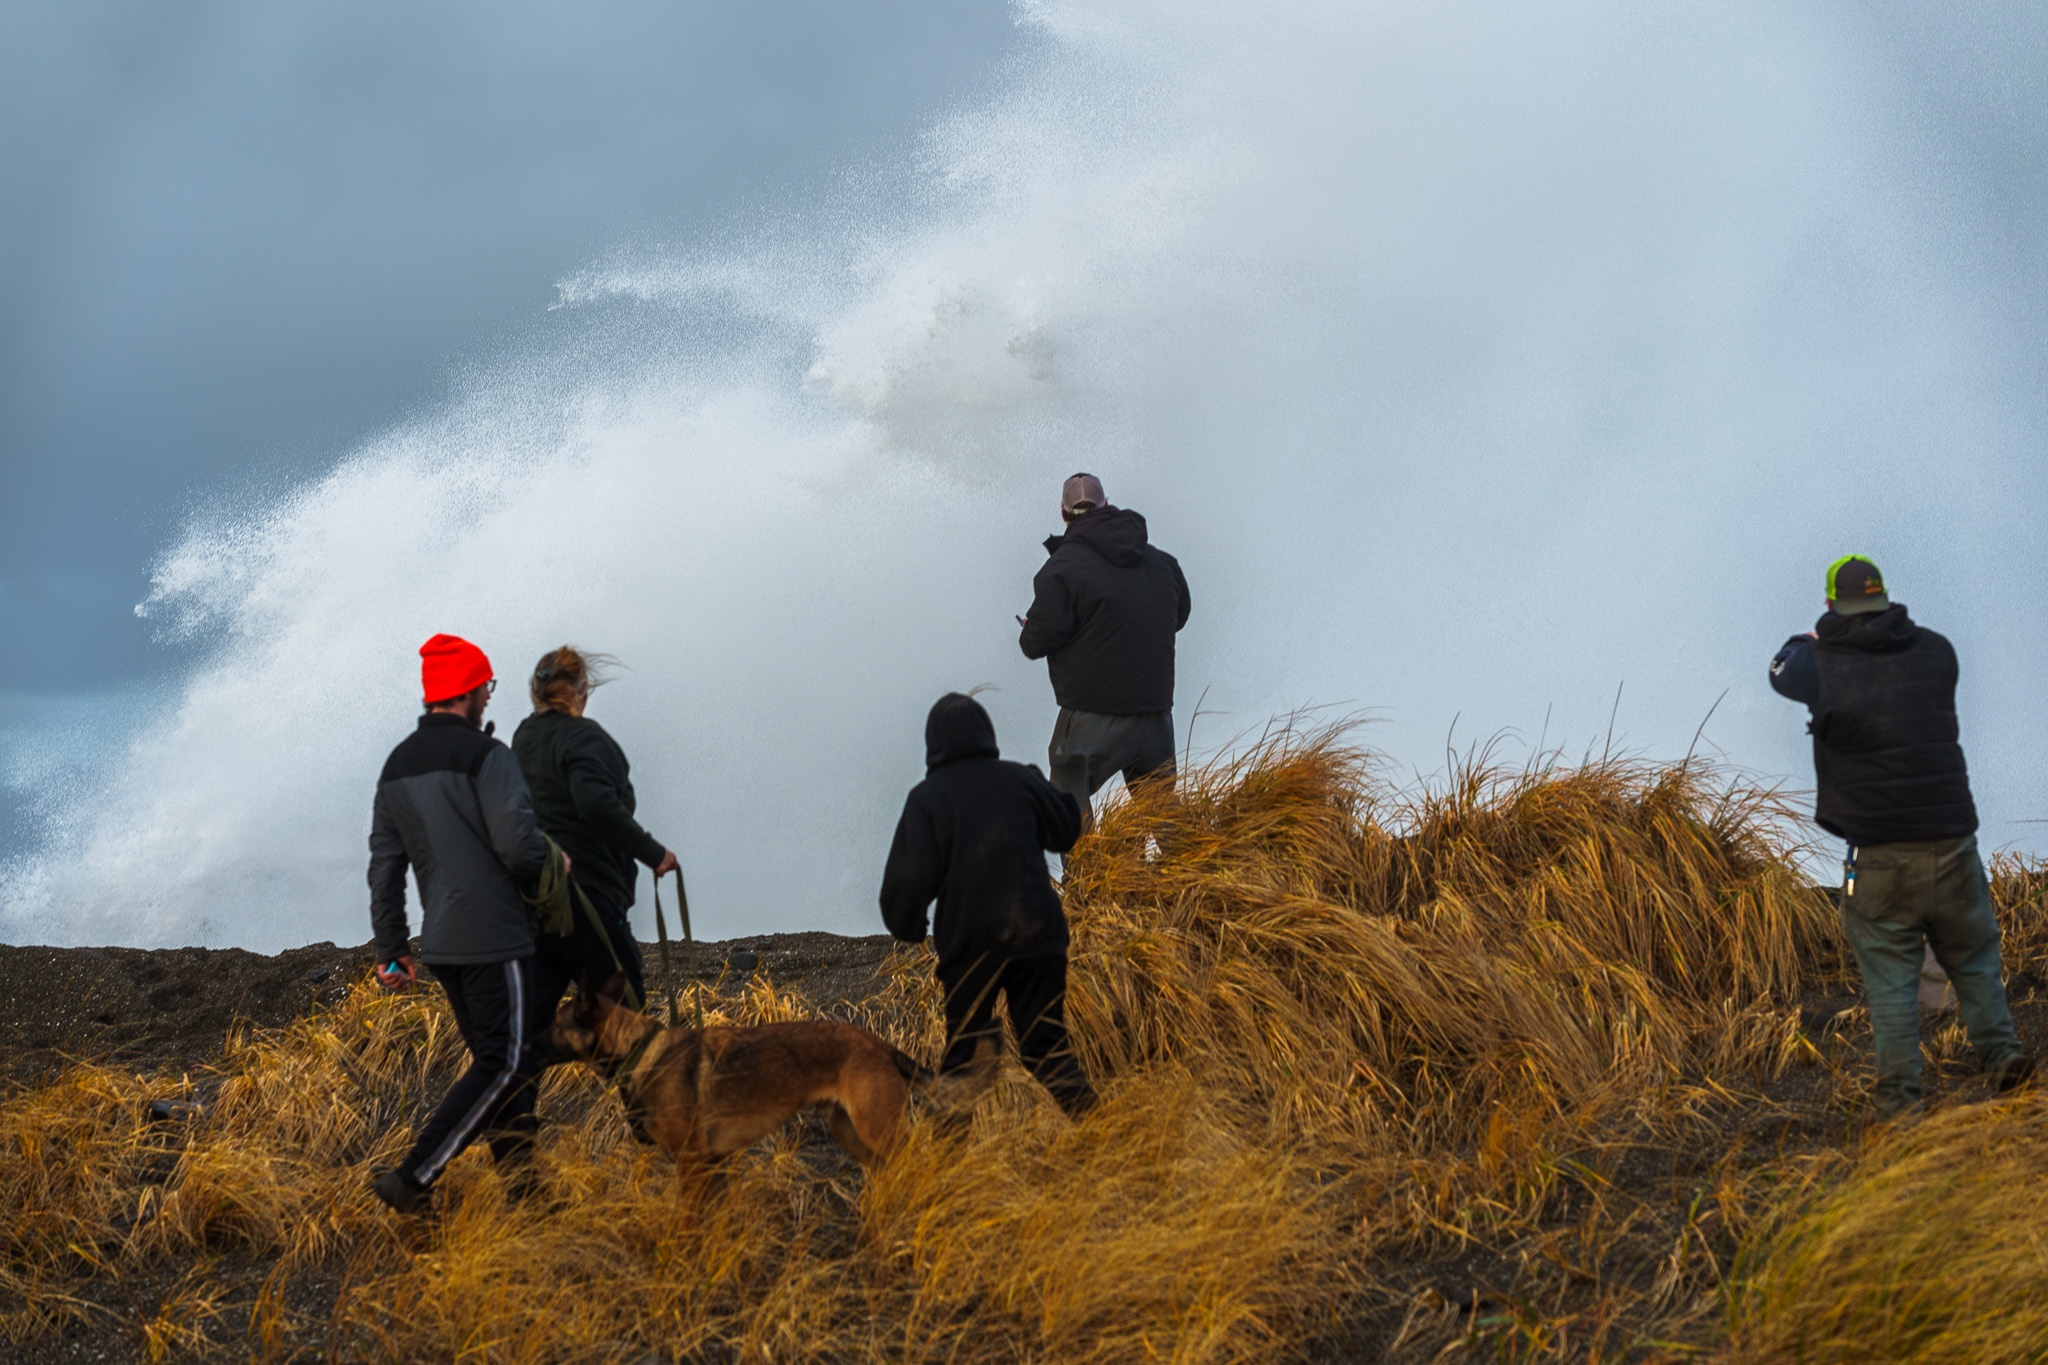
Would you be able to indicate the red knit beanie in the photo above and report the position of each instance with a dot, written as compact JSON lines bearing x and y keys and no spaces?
{"x":449,"y":667}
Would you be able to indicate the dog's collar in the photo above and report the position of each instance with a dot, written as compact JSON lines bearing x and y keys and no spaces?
{"x":623,"y":1072}
{"x":629,"y":1061}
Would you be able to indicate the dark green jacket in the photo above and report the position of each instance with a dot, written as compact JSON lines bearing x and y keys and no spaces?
{"x":583,"y":798}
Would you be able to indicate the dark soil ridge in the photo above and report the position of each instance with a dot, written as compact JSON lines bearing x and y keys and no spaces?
{"x":165,"y":1008}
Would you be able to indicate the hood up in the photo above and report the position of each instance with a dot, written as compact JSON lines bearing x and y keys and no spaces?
{"x":1115,"y":533}
{"x":958,"y":728}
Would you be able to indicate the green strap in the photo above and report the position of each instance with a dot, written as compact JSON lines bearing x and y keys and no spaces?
{"x":667,"y":972}
{"x":555,"y":898}
{"x":631,"y":1000}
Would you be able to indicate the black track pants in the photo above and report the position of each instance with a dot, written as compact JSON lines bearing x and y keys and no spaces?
{"x":1034,"y":991}
{"x":502,"y":1009}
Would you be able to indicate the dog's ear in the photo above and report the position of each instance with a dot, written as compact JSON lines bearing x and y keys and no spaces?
{"x":614,"y":990}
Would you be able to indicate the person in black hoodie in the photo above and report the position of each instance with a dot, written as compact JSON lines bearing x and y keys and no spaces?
{"x":1104,"y":613}
{"x":973,"y":836}
{"x":583,"y":797}
{"x":1891,"y":781}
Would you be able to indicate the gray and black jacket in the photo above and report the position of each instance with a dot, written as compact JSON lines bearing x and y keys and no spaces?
{"x":452,"y":805}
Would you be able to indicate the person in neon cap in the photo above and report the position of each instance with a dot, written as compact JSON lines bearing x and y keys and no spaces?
{"x":1891,"y":781}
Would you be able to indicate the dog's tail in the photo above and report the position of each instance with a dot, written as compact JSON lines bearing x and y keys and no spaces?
{"x":914,"y":1071}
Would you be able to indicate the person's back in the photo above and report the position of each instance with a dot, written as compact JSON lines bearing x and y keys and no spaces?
{"x":973,"y":837}
{"x":1891,"y":781}
{"x":449,"y":803}
{"x":583,"y":797}
{"x":1106,"y":608}
{"x":1105,"y":611}
{"x":1888,"y":757}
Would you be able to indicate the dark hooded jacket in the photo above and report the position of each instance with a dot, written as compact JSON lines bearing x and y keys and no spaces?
{"x":583,"y":797}
{"x":974,"y":835}
{"x":1104,"y":611}
{"x":1887,"y":752}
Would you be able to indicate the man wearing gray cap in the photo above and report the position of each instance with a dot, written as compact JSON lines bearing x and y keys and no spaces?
{"x":1104,"y":613}
{"x":1888,"y":766}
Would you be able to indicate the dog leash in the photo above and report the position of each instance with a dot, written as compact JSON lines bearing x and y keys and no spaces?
{"x":689,"y":939}
{"x":556,"y":897}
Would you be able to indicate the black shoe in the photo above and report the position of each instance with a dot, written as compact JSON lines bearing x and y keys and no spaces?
{"x":2010,"y":1073}
{"x":401,"y":1192}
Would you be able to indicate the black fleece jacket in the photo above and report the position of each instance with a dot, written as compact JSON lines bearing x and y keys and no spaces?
{"x":583,"y":797}
{"x":1887,"y":749}
{"x":974,"y":835}
{"x":1104,"y":611}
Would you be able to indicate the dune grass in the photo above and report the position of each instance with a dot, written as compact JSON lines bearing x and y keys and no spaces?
{"x":1926,"y":1247}
{"x":1379,"y":1069}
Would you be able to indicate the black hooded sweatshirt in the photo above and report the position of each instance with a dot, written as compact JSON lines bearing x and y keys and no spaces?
{"x":1104,"y":611}
{"x":974,"y":835}
{"x":1887,"y":752}
{"x":583,"y":798}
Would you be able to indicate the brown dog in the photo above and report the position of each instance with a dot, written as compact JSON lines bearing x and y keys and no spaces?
{"x":705,"y":1093}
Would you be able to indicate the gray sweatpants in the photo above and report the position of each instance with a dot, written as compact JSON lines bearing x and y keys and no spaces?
{"x":1088,"y":748}
{"x":1931,"y":893}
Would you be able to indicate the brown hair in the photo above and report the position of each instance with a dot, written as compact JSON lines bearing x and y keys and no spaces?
{"x":564,"y":674}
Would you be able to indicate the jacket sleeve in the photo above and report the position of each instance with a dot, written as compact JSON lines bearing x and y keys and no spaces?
{"x":1180,"y":586}
{"x":916,"y":869}
{"x":1794,"y":673}
{"x":1049,"y":626}
{"x":596,"y":794}
{"x":1059,"y":814}
{"x":387,"y":884}
{"x":508,"y":815}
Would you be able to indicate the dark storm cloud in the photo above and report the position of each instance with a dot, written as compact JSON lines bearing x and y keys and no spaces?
{"x":236,"y":237}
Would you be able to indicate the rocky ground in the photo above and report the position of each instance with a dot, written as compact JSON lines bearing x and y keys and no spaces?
{"x":162,"y":1008}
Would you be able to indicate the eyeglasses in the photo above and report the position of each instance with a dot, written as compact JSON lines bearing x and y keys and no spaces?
{"x":491,"y":688}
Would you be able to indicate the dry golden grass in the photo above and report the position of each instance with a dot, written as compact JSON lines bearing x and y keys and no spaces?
{"x":1347,"y":1039}
{"x":1927,"y":1247}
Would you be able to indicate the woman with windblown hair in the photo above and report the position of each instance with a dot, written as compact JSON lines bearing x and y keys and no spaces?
{"x":583,"y":799}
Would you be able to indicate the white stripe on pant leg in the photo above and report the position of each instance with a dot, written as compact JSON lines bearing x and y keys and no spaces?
{"x":515,"y":993}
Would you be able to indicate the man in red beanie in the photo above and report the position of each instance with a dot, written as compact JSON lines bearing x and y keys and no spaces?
{"x":451,"y":805}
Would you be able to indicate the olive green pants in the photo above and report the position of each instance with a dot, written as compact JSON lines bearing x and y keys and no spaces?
{"x":1897,"y":898}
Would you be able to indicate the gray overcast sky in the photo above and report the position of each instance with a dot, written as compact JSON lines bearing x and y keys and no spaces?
{"x":236,"y":237}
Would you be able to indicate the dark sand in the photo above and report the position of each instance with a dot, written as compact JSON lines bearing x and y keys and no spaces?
{"x":160,"y":1009}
